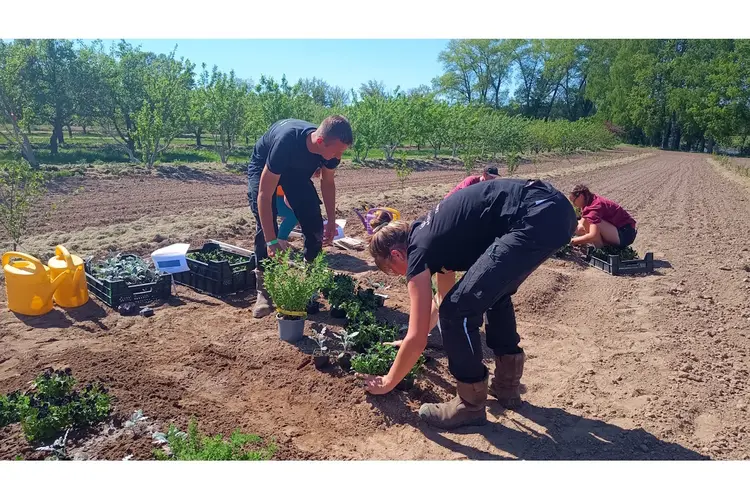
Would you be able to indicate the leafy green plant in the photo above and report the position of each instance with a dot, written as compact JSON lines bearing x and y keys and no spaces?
{"x":378,"y":361}
{"x":367,"y":299}
{"x":403,"y":171}
{"x":58,"y":448}
{"x":21,"y":187}
{"x":341,"y":290}
{"x":347,"y":340}
{"x":374,"y":333}
{"x":291,"y":282}
{"x":53,"y":405}
{"x":356,"y":314}
{"x":129,"y":268}
{"x":512,"y":160}
{"x":194,"y":445}
{"x":627,"y":253}
{"x":217,"y":255}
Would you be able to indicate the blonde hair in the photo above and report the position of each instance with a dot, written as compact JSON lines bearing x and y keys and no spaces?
{"x":388,"y":237}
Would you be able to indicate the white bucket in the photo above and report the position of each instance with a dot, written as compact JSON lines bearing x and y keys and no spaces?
{"x":171,"y":259}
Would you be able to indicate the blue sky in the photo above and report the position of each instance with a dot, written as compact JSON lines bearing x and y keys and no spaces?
{"x":347,"y":63}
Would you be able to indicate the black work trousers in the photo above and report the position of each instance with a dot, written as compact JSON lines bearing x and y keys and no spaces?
{"x":536,"y":232}
{"x":305,"y":204}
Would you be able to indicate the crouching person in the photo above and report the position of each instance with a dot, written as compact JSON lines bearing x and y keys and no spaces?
{"x":498,"y":232}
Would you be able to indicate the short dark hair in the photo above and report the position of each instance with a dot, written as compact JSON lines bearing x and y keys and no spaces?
{"x":491,"y":171}
{"x":336,"y":127}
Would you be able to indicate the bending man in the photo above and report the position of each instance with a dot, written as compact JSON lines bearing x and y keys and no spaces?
{"x":288,"y":155}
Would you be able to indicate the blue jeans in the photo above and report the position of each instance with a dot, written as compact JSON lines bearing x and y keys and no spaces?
{"x":290,"y":220}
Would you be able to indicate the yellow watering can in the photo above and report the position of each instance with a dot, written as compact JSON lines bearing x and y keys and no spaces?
{"x":72,"y":291}
{"x":28,"y":284}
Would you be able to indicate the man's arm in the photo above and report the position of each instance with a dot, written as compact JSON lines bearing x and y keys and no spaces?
{"x":266,"y":195}
{"x":328,"y":188}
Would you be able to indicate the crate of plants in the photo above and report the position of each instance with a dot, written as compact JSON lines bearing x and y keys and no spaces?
{"x":216,"y":271}
{"x":618,"y":262}
{"x":127,"y":278}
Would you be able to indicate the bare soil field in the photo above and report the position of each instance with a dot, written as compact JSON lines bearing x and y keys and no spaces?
{"x":637,"y":368}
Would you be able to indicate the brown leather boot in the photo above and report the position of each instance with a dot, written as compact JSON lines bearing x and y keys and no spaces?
{"x":467,"y":408}
{"x":505,"y":385}
{"x":263,"y":303}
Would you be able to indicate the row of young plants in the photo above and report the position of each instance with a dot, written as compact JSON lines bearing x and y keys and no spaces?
{"x":294,"y":284}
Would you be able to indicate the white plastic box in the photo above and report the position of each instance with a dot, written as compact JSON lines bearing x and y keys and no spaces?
{"x":171,"y":259}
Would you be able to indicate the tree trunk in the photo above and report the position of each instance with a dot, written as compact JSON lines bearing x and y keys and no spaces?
{"x":198,"y":138}
{"x":53,"y":142}
{"x":703,"y":144}
{"x":710,"y":145}
{"x":84,"y":128}
{"x":665,"y":137}
{"x":60,"y":133}
{"x":70,"y":131}
{"x":28,"y":153}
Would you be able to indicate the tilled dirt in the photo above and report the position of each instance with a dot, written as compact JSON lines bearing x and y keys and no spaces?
{"x":642,"y":367}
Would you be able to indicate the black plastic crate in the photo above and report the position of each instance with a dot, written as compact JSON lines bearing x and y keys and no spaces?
{"x":617,"y":267}
{"x":114,"y":293}
{"x":218,"y":278}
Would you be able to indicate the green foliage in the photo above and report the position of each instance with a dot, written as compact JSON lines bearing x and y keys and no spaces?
{"x":217,"y":255}
{"x":403,"y":171}
{"x":54,"y":405}
{"x":373,"y":332}
{"x":627,"y":253}
{"x":130,"y":268}
{"x":162,"y":115}
{"x":21,"y":187}
{"x":378,"y":361}
{"x":195,"y":445}
{"x":341,"y":290}
{"x":226,"y":110}
{"x":291,"y":282}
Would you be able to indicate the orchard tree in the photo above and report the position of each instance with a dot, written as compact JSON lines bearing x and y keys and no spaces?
{"x":226,"y":111}
{"x":15,"y":108}
{"x":163,"y":114}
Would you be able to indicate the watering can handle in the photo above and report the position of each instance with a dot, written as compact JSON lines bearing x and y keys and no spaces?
{"x":61,"y":251}
{"x":38,"y":266}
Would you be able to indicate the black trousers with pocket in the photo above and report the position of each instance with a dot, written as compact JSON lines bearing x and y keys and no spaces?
{"x":305,"y":204}
{"x":536,"y":232}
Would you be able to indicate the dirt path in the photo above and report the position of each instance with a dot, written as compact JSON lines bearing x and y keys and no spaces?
{"x":619,"y":368}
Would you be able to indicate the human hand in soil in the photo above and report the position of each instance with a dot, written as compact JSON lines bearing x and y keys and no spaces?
{"x":395,"y":343}
{"x":378,"y":385}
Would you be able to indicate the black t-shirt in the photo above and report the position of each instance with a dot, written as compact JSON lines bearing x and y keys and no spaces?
{"x":454,"y":234}
{"x":284,"y":149}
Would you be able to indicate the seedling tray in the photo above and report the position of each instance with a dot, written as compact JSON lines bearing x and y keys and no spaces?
{"x":618,"y":267}
{"x":218,"y":278}
{"x":114,"y":293}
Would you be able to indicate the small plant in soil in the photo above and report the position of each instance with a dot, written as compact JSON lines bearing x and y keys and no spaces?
{"x":374,"y":333}
{"x":130,"y":268}
{"x":194,"y":445}
{"x":133,"y":422}
{"x":58,"y":448}
{"x":367,"y":299}
{"x":54,"y":404}
{"x":341,"y":290}
{"x":320,"y":355}
{"x":378,"y":361}
{"x":347,"y":341}
{"x":403,"y":171}
{"x":356,"y":314}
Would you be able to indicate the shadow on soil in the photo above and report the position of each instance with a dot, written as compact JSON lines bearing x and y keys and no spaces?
{"x":662,"y":264}
{"x":567,"y":437}
{"x":53,"y":319}
{"x":349,"y":263}
{"x":185,"y":173}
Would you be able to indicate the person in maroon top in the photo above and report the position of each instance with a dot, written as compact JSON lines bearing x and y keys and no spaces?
{"x":488,"y":174}
{"x":603,"y":222}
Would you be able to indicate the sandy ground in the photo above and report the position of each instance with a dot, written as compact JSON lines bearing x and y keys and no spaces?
{"x":642,"y":367}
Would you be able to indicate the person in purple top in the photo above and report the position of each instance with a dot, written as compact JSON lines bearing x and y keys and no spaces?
{"x":603,"y":222}
{"x":488,"y":174}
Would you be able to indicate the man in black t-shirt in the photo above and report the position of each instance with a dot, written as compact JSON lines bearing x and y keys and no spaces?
{"x":498,"y":232}
{"x":288,"y":155}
